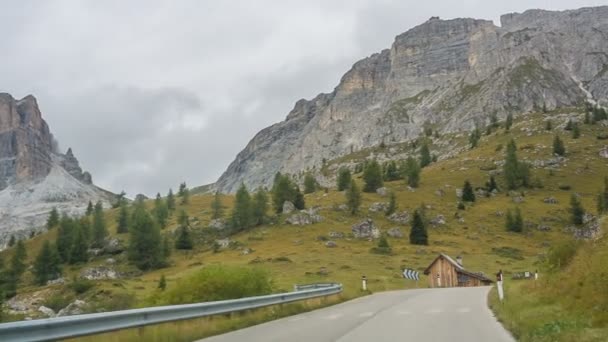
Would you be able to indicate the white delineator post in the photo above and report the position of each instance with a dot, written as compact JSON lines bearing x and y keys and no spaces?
{"x":501,"y":293}
{"x":364,"y":283}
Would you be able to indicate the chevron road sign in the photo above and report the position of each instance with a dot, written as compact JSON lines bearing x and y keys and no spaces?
{"x":410,"y":274}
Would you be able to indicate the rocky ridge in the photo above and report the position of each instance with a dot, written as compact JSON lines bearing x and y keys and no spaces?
{"x":34,"y":175}
{"x":449,"y":75}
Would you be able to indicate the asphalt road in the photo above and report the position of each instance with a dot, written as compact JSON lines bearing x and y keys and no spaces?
{"x":425,"y":315}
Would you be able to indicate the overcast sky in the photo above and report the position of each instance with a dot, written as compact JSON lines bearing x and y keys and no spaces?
{"x":152,"y":93}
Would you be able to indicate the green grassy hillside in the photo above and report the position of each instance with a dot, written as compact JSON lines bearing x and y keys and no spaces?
{"x":295,"y":254}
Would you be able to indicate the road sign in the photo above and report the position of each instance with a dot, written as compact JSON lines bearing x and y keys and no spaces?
{"x":411,"y":274}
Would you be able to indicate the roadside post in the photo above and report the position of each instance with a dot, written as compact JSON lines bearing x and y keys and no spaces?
{"x":501,"y":293}
{"x":364,"y":283}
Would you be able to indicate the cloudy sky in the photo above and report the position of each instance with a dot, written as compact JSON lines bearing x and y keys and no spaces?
{"x":152,"y":93}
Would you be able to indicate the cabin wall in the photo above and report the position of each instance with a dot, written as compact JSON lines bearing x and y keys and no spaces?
{"x":442,"y":274}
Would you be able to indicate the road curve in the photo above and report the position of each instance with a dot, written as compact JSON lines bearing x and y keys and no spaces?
{"x":433,"y":315}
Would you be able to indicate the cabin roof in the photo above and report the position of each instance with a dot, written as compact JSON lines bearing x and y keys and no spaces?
{"x":475,"y":275}
{"x":446,"y":257}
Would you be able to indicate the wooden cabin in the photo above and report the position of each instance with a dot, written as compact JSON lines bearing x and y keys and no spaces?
{"x":445,"y":272}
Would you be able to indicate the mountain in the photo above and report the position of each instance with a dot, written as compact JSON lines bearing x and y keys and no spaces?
{"x":34,"y":176}
{"x":449,"y":75}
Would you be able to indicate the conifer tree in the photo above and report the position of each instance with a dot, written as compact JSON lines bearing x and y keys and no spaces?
{"x":467,"y":192}
{"x":79,"y":252}
{"x":372,"y":176}
{"x":18,"y":260}
{"x":85,"y":225}
{"x":217,"y":210}
{"x":65,"y":237}
{"x":185,"y":197}
{"x":391,"y":171}
{"x":53,"y":219}
{"x":298,"y":201}
{"x":260,"y":207}
{"x":576,"y":131}
{"x":161,"y":211}
{"x":182,"y":188}
{"x":242,"y":213}
{"x":511,"y":166}
{"x":518,"y":221}
{"x":569,"y":125}
{"x":166,"y":247}
{"x":353,"y":197}
{"x":491,"y":184}
{"x":412,"y":172}
{"x":183,"y":240}
{"x":47,"y":265}
{"x":89,"y":209}
{"x":474,"y":137}
{"x":425,"y":155}
{"x":11,"y":241}
{"x":145,"y":242}
{"x":122,"y":220}
{"x":548,"y":125}
{"x":418,"y":233}
{"x":284,"y":190}
{"x":558,"y":146}
{"x":99,"y":227}
{"x":392,"y":204}
{"x":509,"y":122}
{"x":587,"y":119}
{"x":509,"y":221}
{"x":162,"y":283}
{"x":601,"y":204}
{"x":576,"y":210}
{"x":170,"y":200}
{"x":310,"y":184}
{"x":344,"y":178}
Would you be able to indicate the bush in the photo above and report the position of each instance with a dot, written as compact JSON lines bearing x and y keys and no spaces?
{"x":58,"y":301}
{"x":561,"y":255}
{"x":81,"y":285}
{"x":564,"y":187}
{"x":602,"y":136}
{"x":218,"y":283}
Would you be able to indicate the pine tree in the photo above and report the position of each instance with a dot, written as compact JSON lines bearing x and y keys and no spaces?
{"x":182,"y":188}
{"x":558,"y":146}
{"x":99,"y":227}
{"x":185,"y":197}
{"x":18,"y":260}
{"x":217,"y":210}
{"x":372,"y":176}
{"x":85,"y":225}
{"x":412,"y":172}
{"x":353,"y":197}
{"x":166,"y":250}
{"x":425,"y":155}
{"x":576,"y":210}
{"x":12,"y":241}
{"x":418,"y":233}
{"x":392,"y":204}
{"x":548,"y":125}
{"x":509,"y":221}
{"x":284,"y":190}
{"x":53,"y":219}
{"x":120,"y":199}
{"x":576,"y":131}
{"x":89,"y":209}
{"x":79,"y":252}
{"x":509,"y":122}
{"x":474,"y":137}
{"x":569,"y":125}
{"x":518,"y":221}
{"x":467,"y":192}
{"x":587,"y":119}
{"x":344,"y":178}
{"x":145,"y":242}
{"x":183,"y":240}
{"x":391,"y":172}
{"x":491,"y":184}
{"x":47,"y":265}
{"x":310,"y":184}
{"x":601,"y":204}
{"x":122,"y":220}
{"x":170,"y":200}
{"x":524,"y":174}
{"x":603,"y":197}
{"x":260,"y":207}
{"x":65,"y":237}
{"x":511,"y":166}
{"x":242,"y":214}
{"x":161,"y":212}
{"x":162,"y":283}
{"x":298,"y":201}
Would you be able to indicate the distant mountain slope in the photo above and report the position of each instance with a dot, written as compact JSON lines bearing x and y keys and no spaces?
{"x":446,"y":74}
{"x":34,"y":176}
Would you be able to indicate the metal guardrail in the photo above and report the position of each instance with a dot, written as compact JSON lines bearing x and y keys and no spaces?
{"x":80,"y":325}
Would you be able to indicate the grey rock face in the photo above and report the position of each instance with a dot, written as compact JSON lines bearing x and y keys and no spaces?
{"x":75,"y":308}
{"x":217,"y":224}
{"x":99,"y":273}
{"x":288,"y":207}
{"x":378,"y":207}
{"x":402,"y":217}
{"x":395,"y":232}
{"x":331,"y":244}
{"x":366,"y":230}
{"x":450,"y":73}
{"x":304,"y":218}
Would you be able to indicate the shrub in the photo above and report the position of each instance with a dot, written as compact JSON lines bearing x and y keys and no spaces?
{"x":58,"y":301}
{"x":81,"y":285}
{"x":383,"y":247}
{"x":561,"y":255}
{"x":564,"y":187}
{"x":218,"y":282}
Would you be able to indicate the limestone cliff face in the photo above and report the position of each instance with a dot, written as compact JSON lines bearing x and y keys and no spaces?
{"x":451,"y":74}
{"x":34,"y":177}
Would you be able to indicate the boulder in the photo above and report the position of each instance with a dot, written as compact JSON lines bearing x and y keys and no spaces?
{"x":217,"y":224}
{"x":459,"y":193}
{"x":246,"y":251}
{"x":331,"y":244}
{"x":543,"y":228}
{"x":382,"y":191}
{"x":439,"y":220}
{"x":366,"y":230}
{"x":113,"y":246}
{"x":482,"y":193}
{"x":440,"y":193}
{"x":517,"y":199}
{"x":223,"y":243}
{"x":395,"y":232}
{"x":402,"y":217}
{"x":590,"y":231}
{"x":604,"y":152}
{"x":288,"y":207}
{"x":48,"y":312}
{"x":304,"y":218}
{"x":336,"y":235}
{"x":57,"y":281}
{"x":550,"y":200}
{"x":342,"y":207}
{"x":75,"y":308}
{"x":99,"y":273}
{"x":378,"y":207}
{"x":110,"y":261}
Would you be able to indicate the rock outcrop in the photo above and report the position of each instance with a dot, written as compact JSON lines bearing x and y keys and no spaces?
{"x":451,"y":74}
{"x":34,"y":176}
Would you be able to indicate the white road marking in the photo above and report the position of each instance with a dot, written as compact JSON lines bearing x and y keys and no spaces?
{"x":434,"y":311}
{"x":366,"y":314}
{"x":464,"y":310}
{"x":333,"y":316}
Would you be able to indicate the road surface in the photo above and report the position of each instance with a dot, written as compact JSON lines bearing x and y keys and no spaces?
{"x":424,"y":315}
